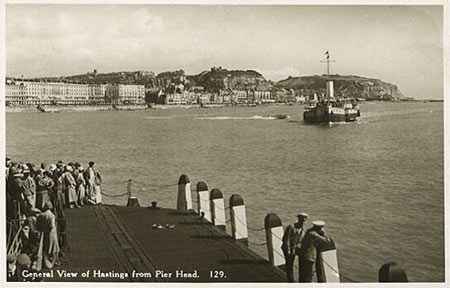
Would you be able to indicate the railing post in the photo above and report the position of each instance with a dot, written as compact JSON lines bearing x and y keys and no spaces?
{"x":327,"y":262}
{"x":274,"y":236}
{"x":392,"y":272}
{"x":218,"y":209}
{"x":203,"y":201}
{"x":132,"y":200}
{"x":129,"y":188}
{"x":238,"y":219}
{"x":184,"y":201}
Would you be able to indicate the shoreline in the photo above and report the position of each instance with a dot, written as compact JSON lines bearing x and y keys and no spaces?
{"x":58,"y":108}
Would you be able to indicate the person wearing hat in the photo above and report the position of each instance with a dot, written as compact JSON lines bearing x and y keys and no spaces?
{"x":16,"y":191}
{"x":53,"y":167}
{"x":60,"y":164}
{"x":70,"y":185}
{"x":44,"y":185}
{"x":14,"y":273}
{"x":29,"y":187}
{"x":44,"y":166}
{"x":81,"y":185}
{"x":13,"y":169}
{"x":292,"y":242}
{"x":93,"y":181}
{"x":8,"y":164}
{"x":46,"y":224}
{"x":97,"y":188}
{"x":314,"y":240}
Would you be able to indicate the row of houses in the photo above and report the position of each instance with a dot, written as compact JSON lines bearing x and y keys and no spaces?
{"x":28,"y":93}
{"x":231,"y":96}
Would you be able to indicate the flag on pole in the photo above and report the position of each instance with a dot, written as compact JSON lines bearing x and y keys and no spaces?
{"x":327,"y":52}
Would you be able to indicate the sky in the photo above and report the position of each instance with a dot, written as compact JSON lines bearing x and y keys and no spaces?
{"x":402,"y":45}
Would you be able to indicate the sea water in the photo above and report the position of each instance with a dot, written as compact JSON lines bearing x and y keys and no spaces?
{"x":377,"y":183}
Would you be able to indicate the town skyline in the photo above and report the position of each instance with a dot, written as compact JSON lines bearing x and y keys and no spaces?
{"x":396,"y":44}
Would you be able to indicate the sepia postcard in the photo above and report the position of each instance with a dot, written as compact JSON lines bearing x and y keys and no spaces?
{"x":243,"y":143}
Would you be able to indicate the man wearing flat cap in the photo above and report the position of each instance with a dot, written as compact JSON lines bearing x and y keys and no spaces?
{"x":292,"y":242}
{"x":315,"y":239}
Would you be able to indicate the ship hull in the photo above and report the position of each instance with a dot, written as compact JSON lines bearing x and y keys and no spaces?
{"x":322,"y":115}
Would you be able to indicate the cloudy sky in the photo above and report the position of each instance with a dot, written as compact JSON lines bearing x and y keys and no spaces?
{"x":397,"y":44}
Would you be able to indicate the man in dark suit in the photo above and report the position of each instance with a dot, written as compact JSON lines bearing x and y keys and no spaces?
{"x":292,"y":239}
{"x":315,"y":238}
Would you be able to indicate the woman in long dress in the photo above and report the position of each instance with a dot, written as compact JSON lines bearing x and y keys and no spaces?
{"x":98,"y":183}
{"x":81,"y":184}
{"x":70,"y":185}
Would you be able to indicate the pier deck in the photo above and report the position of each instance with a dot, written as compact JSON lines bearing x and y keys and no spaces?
{"x":123,"y":239}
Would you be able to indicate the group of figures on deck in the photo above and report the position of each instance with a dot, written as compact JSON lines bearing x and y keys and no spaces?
{"x":35,"y":199}
{"x":307,"y":244}
{"x":297,"y":241}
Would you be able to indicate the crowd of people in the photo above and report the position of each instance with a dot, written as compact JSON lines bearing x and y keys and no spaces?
{"x":36,"y":197}
{"x":305,"y":244}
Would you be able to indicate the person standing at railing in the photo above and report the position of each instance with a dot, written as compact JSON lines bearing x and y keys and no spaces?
{"x":292,"y":242}
{"x":8,"y":165}
{"x":29,"y":187}
{"x":97,"y":188}
{"x":43,"y":188}
{"x":58,"y":188}
{"x":16,"y":193}
{"x":89,"y":176}
{"x":315,"y":238}
{"x":81,"y":184}
{"x":46,"y":223}
{"x":13,"y":169}
{"x":59,"y":203}
{"x":70,"y":185}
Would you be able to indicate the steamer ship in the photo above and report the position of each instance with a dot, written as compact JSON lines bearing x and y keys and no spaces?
{"x":330,"y":110}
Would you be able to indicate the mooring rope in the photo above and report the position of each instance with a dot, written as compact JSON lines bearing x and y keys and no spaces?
{"x":109,"y":195}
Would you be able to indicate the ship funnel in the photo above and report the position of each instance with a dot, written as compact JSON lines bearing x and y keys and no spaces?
{"x":330,"y":89}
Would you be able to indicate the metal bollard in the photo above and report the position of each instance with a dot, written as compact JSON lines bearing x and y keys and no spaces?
{"x":238,"y":219}
{"x":218,"y":209}
{"x":203,"y":201}
{"x":392,"y":272}
{"x":274,"y":236}
{"x":184,"y":201}
{"x":327,"y":264}
{"x":133,"y":202}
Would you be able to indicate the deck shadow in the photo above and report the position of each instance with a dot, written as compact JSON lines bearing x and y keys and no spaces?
{"x":245,"y":261}
{"x":211,"y":237}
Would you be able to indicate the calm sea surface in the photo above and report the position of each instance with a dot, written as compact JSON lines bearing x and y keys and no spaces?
{"x":378,"y":183}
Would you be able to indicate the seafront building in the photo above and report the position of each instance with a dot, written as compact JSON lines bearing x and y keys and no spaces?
{"x":29,"y":93}
{"x":33,"y":93}
{"x":125,"y":94}
{"x":232,"y":96}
